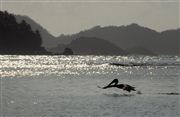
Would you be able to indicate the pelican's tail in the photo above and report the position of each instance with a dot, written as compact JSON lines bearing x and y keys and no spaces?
{"x":133,"y":88}
{"x":129,"y":88}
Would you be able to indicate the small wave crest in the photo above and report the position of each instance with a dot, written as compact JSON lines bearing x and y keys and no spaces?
{"x":171,"y":93}
{"x":144,"y":64}
{"x":119,"y":95}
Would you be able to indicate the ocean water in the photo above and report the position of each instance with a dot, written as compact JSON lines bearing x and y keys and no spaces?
{"x":67,"y":86}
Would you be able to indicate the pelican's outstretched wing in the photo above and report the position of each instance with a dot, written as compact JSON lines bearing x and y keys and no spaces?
{"x":114,"y":82}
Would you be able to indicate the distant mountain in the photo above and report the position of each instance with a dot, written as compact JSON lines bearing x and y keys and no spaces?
{"x":49,"y":41}
{"x":93,"y":46}
{"x":124,"y":36}
{"x":140,"y":51}
{"x":170,"y":42}
{"x":18,"y":38}
{"x":133,"y":36}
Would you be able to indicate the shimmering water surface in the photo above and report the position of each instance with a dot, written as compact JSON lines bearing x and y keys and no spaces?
{"x":67,"y":86}
{"x":20,"y":66}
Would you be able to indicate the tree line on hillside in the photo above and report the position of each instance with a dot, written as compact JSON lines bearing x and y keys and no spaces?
{"x":18,"y":38}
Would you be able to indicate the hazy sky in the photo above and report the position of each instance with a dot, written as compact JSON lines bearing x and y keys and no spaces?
{"x":71,"y":17}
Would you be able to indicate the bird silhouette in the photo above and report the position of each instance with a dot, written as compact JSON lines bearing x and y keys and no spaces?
{"x":115,"y":84}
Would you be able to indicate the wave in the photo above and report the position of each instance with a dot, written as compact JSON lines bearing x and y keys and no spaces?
{"x":131,"y":64}
{"x":129,"y":95}
{"x":172,"y":93}
{"x":119,"y":95}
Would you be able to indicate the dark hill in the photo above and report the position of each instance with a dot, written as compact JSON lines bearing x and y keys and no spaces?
{"x":48,"y":40}
{"x":140,"y":51}
{"x":94,"y":46}
{"x":128,"y":37}
{"x":133,"y":36}
{"x":171,"y":42}
{"x":18,"y":38}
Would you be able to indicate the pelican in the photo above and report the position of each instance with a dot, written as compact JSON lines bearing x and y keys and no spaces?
{"x":115,"y":84}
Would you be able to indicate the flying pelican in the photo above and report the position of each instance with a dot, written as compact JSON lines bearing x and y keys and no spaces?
{"x":115,"y":84}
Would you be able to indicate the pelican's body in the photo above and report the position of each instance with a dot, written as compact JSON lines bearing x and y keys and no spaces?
{"x":115,"y":84}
